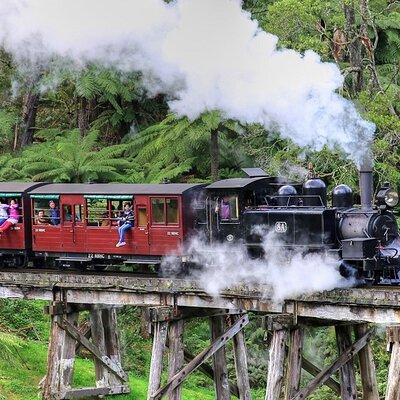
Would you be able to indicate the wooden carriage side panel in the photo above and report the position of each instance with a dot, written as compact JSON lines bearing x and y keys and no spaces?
{"x":165,"y":237}
{"x":73,"y":224}
{"x":14,"y":238}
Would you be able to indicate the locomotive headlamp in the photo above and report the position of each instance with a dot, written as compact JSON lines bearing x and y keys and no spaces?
{"x":388,"y":196}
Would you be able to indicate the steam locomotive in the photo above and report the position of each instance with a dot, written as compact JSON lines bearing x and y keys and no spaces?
{"x":365,"y":238}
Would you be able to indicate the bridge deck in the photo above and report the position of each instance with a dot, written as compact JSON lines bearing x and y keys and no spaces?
{"x":377,"y":304}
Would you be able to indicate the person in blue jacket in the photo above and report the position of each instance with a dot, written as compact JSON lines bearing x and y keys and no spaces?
{"x":126,"y":221}
{"x":54,"y":213}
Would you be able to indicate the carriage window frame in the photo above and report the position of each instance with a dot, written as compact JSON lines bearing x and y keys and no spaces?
{"x":35,"y":210}
{"x":19,"y":199}
{"x":64,"y":220}
{"x":113,"y":215}
{"x":166,"y":200}
{"x":164,"y":219}
{"x":92,"y":219}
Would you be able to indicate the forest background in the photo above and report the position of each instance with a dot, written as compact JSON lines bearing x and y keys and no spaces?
{"x":100,"y":126}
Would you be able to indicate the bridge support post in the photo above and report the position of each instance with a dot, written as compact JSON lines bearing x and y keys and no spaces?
{"x":393,"y":382}
{"x":241,"y":367}
{"x":294,"y":365}
{"x":168,"y":323}
{"x":159,"y":342}
{"x":60,"y":359}
{"x":221,"y":382}
{"x":65,"y":340}
{"x":277,"y":355}
{"x":367,"y":366}
{"x":176,"y":354}
{"x":347,"y":374}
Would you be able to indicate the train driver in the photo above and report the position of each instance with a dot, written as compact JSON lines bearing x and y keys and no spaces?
{"x":126,"y":222}
{"x":224,"y":208}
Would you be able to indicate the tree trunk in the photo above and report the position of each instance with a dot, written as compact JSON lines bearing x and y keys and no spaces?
{"x":85,"y":114}
{"x":24,"y":133}
{"x":214,"y":155}
{"x":354,"y":47}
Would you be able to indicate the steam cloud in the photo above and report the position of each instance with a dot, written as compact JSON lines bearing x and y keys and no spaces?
{"x":280,"y":275}
{"x":204,"y":54}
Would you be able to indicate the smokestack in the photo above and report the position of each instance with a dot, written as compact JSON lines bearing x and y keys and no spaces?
{"x":366,"y":185}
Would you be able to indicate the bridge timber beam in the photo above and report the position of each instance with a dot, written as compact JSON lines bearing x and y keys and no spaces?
{"x":376,"y":305}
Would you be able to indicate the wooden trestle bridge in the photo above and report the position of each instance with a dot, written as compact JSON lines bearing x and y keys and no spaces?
{"x":172,"y":301}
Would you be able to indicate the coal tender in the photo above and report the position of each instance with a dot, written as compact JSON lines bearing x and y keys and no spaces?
{"x":364,"y":237}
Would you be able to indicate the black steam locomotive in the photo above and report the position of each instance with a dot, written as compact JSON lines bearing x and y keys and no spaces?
{"x":365,"y":237}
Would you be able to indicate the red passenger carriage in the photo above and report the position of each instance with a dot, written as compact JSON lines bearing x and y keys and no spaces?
{"x":15,"y":244}
{"x":87,"y":231}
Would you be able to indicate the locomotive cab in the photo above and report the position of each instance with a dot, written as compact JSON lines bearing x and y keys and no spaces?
{"x":226,"y":202}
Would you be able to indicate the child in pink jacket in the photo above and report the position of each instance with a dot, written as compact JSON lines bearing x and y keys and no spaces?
{"x":13,"y":217}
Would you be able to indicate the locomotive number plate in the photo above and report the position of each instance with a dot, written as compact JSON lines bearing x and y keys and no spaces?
{"x":280,"y":227}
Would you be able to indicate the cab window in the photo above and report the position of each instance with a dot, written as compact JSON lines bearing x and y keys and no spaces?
{"x":228,"y":208}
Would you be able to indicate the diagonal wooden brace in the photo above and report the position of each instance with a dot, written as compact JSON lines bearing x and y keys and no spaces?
{"x":219,"y":342}
{"x":80,"y":338}
{"x":322,"y":377}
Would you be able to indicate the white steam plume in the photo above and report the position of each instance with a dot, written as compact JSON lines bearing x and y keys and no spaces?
{"x":282,"y":274}
{"x":204,"y":54}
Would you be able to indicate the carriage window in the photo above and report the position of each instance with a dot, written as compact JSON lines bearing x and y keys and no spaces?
{"x":158,"y":210}
{"x":67,"y":213}
{"x":116,"y":210}
{"x":97,"y":211}
{"x":228,"y":208}
{"x":172,"y":211}
{"x":46,"y":211}
{"x":5,"y":207}
{"x":78,"y":212}
{"x":41,"y":212}
{"x":142,"y":216}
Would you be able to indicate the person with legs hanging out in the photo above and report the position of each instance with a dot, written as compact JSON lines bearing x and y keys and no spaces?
{"x":125,"y":223}
{"x":13,"y":217}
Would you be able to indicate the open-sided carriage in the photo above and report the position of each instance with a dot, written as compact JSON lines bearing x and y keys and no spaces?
{"x":89,"y":214}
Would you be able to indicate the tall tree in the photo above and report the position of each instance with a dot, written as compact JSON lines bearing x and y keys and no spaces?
{"x":354,"y":47}
{"x":176,"y":147}
{"x":30,"y":103}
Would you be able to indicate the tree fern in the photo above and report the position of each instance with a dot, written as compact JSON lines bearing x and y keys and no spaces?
{"x":71,"y":158}
{"x":179,"y":147}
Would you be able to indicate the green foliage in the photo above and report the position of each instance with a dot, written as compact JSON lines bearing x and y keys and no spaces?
{"x":177,"y":148}
{"x":24,"y":318}
{"x":388,"y":50}
{"x":72,"y":158}
{"x":295,"y":22}
{"x":7,"y":124}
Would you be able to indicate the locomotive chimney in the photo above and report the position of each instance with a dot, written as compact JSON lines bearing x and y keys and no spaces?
{"x":366,"y":185}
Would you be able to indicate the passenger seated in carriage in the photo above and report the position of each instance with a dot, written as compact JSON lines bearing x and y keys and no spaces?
{"x":12,"y":218}
{"x":54,"y":213}
{"x":3,"y":212}
{"x":41,"y":218}
{"x":126,"y":222}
